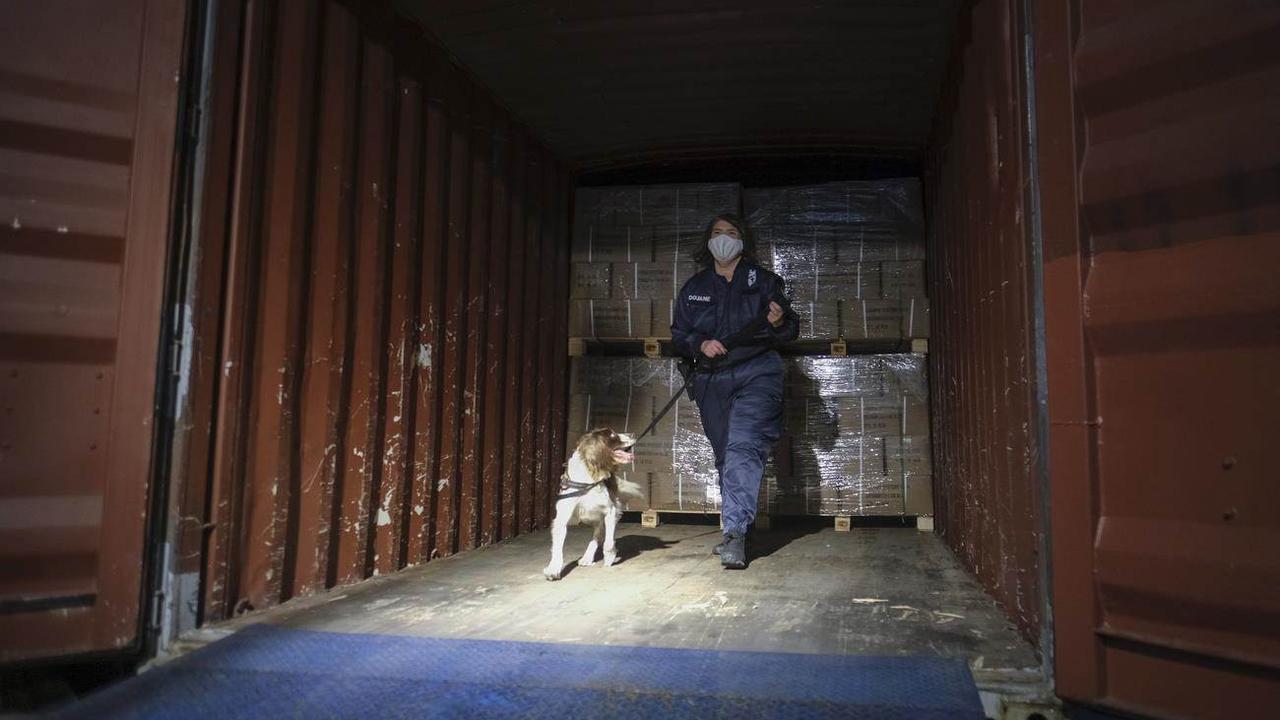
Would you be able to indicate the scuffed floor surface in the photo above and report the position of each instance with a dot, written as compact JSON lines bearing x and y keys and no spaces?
{"x":872,"y":591}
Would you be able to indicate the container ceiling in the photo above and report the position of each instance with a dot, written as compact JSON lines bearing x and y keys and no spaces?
{"x":604,"y":83}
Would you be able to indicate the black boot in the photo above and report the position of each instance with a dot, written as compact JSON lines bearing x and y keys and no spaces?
{"x":733,"y":554}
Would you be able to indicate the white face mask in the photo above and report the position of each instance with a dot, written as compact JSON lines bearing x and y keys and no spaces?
{"x":725,"y":248}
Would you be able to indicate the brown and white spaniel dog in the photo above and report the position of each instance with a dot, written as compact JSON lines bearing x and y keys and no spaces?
{"x":592,"y":492}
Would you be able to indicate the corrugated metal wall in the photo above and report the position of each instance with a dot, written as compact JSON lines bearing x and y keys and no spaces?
{"x":88,"y":113}
{"x":984,"y":423}
{"x":1161,"y":177}
{"x":382,"y":327}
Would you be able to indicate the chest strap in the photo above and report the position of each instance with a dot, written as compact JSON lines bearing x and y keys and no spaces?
{"x":570,"y":489}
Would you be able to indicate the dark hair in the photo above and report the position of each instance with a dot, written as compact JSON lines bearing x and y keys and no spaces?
{"x":703,"y":256}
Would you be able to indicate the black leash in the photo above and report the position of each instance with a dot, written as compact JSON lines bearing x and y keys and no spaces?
{"x":709,"y":366}
{"x":688,"y":380}
{"x":689,"y":369}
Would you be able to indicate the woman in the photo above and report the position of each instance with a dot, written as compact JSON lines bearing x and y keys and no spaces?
{"x":740,"y":395}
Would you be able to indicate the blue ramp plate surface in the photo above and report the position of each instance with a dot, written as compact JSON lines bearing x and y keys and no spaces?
{"x":273,"y":672}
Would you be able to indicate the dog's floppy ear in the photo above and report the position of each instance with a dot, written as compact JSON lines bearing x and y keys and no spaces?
{"x":596,"y":453}
{"x":587,"y":451}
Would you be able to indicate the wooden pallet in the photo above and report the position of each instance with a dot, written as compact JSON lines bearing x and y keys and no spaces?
{"x":653,"y":518}
{"x":651,"y":347}
{"x":844,"y":347}
{"x":655,"y":347}
{"x":844,"y":523}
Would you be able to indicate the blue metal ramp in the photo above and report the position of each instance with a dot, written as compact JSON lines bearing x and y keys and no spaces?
{"x":275,"y":672}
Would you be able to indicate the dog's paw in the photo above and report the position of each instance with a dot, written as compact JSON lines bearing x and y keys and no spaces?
{"x":609,"y":560}
{"x":584,"y":562}
{"x":551,"y":572}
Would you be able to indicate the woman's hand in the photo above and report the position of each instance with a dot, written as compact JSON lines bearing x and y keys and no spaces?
{"x":713,"y":348}
{"x":775,"y":314}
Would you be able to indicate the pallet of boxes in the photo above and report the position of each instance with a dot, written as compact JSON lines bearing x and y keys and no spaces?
{"x":632,"y":250}
{"x":856,"y":427}
{"x":856,"y":437}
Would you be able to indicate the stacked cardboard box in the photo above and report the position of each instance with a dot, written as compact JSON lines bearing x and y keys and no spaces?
{"x":856,"y":437}
{"x":886,"y":217}
{"x":856,"y":431}
{"x":852,"y":254}
{"x":855,"y":434}
{"x":632,"y":250}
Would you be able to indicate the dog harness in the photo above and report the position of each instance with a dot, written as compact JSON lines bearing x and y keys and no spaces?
{"x":576,"y":489}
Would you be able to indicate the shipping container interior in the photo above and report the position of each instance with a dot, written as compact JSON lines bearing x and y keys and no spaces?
{"x":376,"y":297}
{"x":374,"y":343}
{"x":475,"y":137}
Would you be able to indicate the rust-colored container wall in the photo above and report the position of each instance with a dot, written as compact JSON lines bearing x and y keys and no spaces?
{"x":1160,"y":168}
{"x":981,"y":360}
{"x":88,"y":113}
{"x":382,"y":309}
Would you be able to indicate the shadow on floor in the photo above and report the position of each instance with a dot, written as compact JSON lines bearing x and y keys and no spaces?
{"x":568,"y":568}
{"x":630,"y":546}
{"x":762,"y":544}
{"x":788,"y":529}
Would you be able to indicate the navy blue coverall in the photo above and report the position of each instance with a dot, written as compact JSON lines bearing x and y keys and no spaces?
{"x":741,"y":404}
